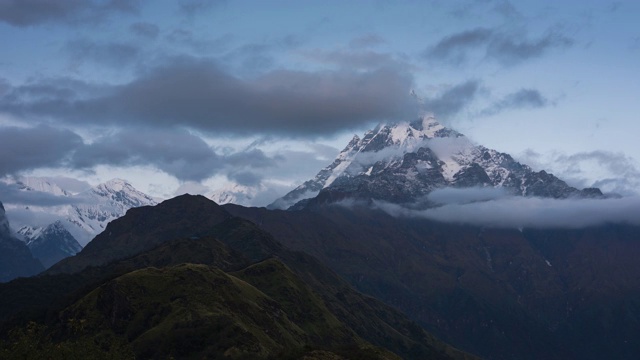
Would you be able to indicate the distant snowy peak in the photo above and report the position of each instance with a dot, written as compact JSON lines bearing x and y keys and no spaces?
{"x":405,"y":161}
{"x":40,"y":184}
{"x":87,"y":213}
{"x":53,"y":243}
{"x":122,"y":192}
{"x":234,"y":194}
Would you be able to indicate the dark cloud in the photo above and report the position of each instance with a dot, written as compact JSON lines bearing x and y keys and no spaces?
{"x":13,"y":194}
{"x":112,"y":54}
{"x":199,"y":94}
{"x":50,"y":89}
{"x":510,"y":51}
{"x":454,"y":48}
{"x":245,"y":178}
{"x":453,"y":100}
{"x":252,"y":158}
{"x":145,"y":29}
{"x":523,"y":98}
{"x":366,"y":41}
{"x":177,"y":152}
{"x":504,"y":48}
{"x":34,"y":12}
{"x":30,"y":148}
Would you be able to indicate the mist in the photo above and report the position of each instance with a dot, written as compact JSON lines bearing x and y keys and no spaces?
{"x":501,"y":211}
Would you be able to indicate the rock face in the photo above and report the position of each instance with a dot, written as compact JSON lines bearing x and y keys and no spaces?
{"x":401,"y":163}
{"x":15,"y":258}
{"x":53,"y":244}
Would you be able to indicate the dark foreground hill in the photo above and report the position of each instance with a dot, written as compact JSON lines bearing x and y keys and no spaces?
{"x":186,"y":279}
{"x":499,"y":293}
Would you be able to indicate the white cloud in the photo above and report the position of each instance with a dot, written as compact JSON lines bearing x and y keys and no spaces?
{"x":525,"y":212}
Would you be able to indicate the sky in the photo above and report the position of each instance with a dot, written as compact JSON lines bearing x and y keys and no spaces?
{"x":202,"y":95}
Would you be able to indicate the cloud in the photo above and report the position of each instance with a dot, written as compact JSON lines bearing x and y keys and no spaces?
{"x":252,"y":158}
{"x":177,"y":152}
{"x":113,"y":54}
{"x":145,"y":29}
{"x":504,"y":48}
{"x":198,"y":94}
{"x":245,"y":178}
{"x":523,"y":98}
{"x":193,"y":7}
{"x":23,"y":13}
{"x":360,"y":59}
{"x":454,"y":48}
{"x":506,"y":9}
{"x":366,"y":41}
{"x":29,"y":148}
{"x":529,"y":212}
{"x":453,"y":100}
{"x":619,"y":173}
{"x":465,"y":195}
{"x":12,"y":194}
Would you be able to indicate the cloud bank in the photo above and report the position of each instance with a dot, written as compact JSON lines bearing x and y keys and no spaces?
{"x":522,"y":212}
{"x":199,"y":94}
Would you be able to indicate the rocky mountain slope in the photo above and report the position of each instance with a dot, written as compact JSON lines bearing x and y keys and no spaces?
{"x":403,"y":162}
{"x":51,"y":244}
{"x":15,"y":258}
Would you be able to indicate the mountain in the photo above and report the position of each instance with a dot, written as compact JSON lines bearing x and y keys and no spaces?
{"x":51,"y":244}
{"x":403,"y":162}
{"x":497,"y":293}
{"x":187,"y":279}
{"x":15,"y":258}
{"x":84,"y":214}
{"x":235,"y":194}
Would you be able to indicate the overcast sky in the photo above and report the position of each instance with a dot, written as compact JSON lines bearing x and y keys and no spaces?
{"x":195,"y":95}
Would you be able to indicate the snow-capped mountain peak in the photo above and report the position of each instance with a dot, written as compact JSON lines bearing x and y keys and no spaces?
{"x":121,"y":191}
{"x":84,"y":214}
{"x":39,"y":184}
{"x":234,"y":194}
{"x":403,"y":162}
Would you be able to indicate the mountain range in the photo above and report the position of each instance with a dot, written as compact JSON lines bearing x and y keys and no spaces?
{"x":334,"y":276}
{"x":84,"y":214}
{"x":58,"y":230}
{"x":187,"y":279}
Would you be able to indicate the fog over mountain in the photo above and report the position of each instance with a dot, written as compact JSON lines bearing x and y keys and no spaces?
{"x":491,"y":208}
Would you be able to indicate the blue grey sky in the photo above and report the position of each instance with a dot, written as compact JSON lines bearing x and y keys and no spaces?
{"x":196,"y":95}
